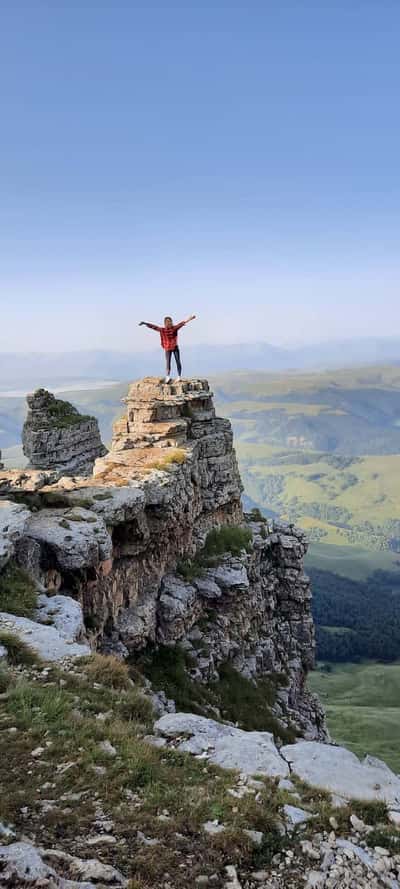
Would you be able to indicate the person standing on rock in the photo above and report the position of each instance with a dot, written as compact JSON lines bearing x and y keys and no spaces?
{"x":169,"y":342}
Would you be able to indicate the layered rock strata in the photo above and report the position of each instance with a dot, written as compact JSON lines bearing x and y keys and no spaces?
{"x":56,"y":436}
{"x":115,"y":540}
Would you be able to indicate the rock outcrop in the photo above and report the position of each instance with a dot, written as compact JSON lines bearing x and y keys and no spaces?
{"x":56,"y":436}
{"x":333,"y":769}
{"x":123,"y":539}
{"x":13,"y":520}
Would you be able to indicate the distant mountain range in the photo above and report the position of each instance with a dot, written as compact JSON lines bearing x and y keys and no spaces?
{"x":28,"y":370}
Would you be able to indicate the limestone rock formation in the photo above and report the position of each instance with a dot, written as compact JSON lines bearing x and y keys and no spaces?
{"x":330,"y":768}
{"x":251,"y":753}
{"x":56,"y":436}
{"x":119,"y":538}
{"x":13,"y":519}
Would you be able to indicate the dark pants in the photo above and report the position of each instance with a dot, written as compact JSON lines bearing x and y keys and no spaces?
{"x":168,"y":355}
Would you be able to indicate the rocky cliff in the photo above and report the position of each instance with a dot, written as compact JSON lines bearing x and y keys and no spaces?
{"x":131,"y":543}
{"x":105,"y":782}
{"x":56,"y":436}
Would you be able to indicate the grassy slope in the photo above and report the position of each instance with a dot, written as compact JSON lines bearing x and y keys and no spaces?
{"x":368,"y":490}
{"x":351,"y":561}
{"x":363,"y":708}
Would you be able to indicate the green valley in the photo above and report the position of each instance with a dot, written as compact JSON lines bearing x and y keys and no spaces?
{"x":322,"y":450}
{"x":362,"y":703}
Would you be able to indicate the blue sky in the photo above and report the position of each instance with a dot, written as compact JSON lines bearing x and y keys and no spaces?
{"x":240,"y":161}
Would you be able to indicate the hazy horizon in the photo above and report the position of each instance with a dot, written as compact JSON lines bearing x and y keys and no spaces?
{"x":239,"y":163}
{"x":152,"y":344}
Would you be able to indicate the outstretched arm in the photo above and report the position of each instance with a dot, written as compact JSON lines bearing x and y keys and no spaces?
{"x":182,"y":323}
{"x":148,"y":324}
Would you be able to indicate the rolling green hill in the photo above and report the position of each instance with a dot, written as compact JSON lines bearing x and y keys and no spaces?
{"x":321,"y":449}
{"x":362,"y":703}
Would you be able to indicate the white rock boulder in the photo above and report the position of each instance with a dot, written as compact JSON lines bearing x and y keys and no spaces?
{"x":339,"y":771}
{"x":23,"y":865}
{"x":46,"y":641}
{"x":13,"y":519}
{"x":77,"y":537}
{"x":224,"y":745}
{"x":63,"y":613}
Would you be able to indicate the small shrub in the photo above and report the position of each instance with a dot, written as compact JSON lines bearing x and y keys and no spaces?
{"x":255,"y":515}
{"x":231,"y":539}
{"x":107,"y":670}
{"x":17,"y":592}
{"x":18,"y":652}
{"x":227,"y":539}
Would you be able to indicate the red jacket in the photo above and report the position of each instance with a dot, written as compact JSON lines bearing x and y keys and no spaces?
{"x":169,"y":335}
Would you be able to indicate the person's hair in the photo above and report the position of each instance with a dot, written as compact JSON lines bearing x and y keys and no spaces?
{"x":167,"y":318}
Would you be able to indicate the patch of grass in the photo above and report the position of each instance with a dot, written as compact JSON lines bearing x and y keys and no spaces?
{"x":135,"y":786}
{"x":362,"y":706}
{"x":374,"y":812}
{"x":135,"y":706}
{"x":5,"y":678}
{"x":172,"y":457}
{"x":231,"y":539}
{"x":62,"y":414}
{"x":18,"y":652}
{"x":249,"y":703}
{"x":107,"y":669}
{"x":237,"y":699}
{"x":17,"y":592}
{"x":167,"y":669}
{"x":35,"y":706}
{"x":104,"y":496}
{"x":273,"y":843}
{"x":387,"y":838}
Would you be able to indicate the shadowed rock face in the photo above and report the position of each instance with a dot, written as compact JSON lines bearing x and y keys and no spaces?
{"x":56,"y":436}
